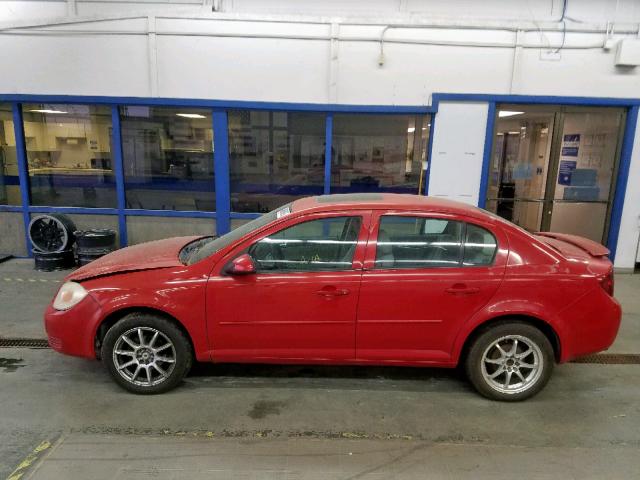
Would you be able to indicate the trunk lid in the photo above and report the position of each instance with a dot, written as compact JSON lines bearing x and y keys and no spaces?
{"x":573,"y":245}
{"x":591,"y":254}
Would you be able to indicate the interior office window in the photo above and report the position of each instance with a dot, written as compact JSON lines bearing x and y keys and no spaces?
{"x":9,"y":182}
{"x":69,"y":155}
{"x":167,"y":158}
{"x":315,"y":245}
{"x":479,"y":246}
{"x":379,"y":153}
{"x":274,"y":158}
{"x":418,"y":242}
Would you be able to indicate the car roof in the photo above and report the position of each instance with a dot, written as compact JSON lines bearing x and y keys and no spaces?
{"x":391,"y":201}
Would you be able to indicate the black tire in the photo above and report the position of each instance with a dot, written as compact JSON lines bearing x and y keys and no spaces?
{"x":49,"y":262}
{"x":95,"y":238}
{"x":515,"y":382}
{"x":148,"y":324}
{"x":88,"y":255}
{"x":51,"y":233}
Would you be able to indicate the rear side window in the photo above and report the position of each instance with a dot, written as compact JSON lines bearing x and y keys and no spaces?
{"x":479,"y":246}
{"x":419,"y":242}
{"x":314,"y":245}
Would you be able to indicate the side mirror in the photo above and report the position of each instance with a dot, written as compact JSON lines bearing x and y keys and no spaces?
{"x":242,"y":265}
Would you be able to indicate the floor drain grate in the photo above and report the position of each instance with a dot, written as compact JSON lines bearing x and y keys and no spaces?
{"x":23,"y":342}
{"x":610,"y":359}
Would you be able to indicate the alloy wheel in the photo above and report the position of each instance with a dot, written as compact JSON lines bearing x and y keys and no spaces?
{"x":512,"y":364}
{"x":144,"y":356}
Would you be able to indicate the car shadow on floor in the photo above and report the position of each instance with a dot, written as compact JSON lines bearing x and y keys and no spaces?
{"x":325,"y":376}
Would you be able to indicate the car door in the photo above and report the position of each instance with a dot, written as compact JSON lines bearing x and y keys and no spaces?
{"x":301,"y":303}
{"x":424,"y":276}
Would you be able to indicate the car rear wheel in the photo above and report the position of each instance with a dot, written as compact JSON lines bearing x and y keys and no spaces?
{"x":510,"y":362}
{"x":146,"y":354}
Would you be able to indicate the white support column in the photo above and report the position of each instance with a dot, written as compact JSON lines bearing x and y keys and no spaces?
{"x":152,"y":52}
{"x":333,"y":64}
{"x":457,"y":151}
{"x":627,"y":250}
{"x":72,"y":8}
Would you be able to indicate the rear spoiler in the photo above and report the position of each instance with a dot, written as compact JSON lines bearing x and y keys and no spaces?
{"x":592,"y":248}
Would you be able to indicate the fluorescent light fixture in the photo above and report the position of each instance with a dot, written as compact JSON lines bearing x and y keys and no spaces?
{"x":508,"y":113}
{"x":190,"y":115}
{"x":411,"y":129}
{"x":513,"y":133}
{"x":46,"y":110}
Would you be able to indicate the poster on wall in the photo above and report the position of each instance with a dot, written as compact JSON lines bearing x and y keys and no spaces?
{"x":568,"y":157}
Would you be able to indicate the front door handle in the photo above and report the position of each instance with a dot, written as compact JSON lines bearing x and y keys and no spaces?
{"x":332,"y":292}
{"x":461,"y":289}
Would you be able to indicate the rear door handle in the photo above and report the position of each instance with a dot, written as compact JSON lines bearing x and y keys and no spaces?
{"x":332,"y":292}
{"x":462,"y":289}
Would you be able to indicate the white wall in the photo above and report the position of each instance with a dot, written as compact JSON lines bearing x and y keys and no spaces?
{"x":456,"y":154}
{"x":282,"y":50}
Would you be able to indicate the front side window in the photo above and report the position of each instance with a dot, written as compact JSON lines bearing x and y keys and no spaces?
{"x":418,"y":242}
{"x":314,"y":245}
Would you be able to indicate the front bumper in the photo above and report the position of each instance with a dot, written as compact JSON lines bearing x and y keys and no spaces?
{"x":73,"y":331}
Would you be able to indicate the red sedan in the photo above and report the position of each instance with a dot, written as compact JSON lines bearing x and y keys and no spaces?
{"x":366,"y":279}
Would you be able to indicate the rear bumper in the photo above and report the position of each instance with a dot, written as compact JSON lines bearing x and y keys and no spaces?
{"x":72,"y":331}
{"x":591,"y":325}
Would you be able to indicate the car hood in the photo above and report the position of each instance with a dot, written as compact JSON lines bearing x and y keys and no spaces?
{"x":144,"y":256}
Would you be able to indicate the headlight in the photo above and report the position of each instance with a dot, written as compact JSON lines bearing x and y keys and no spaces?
{"x":70,"y":294}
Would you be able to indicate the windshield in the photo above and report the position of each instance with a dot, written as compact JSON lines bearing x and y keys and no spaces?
{"x":203,"y":248}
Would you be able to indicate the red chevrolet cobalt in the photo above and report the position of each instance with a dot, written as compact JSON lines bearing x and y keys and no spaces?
{"x":365,"y":279}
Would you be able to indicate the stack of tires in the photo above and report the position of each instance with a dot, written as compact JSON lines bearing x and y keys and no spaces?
{"x":52,"y":241}
{"x":93,"y":244}
{"x":53,"y":237}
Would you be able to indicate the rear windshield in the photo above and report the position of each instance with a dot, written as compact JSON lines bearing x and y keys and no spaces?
{"x":205,"y":247}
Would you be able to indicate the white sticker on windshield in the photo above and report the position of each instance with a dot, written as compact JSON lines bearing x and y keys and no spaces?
{"x":283,"y":212}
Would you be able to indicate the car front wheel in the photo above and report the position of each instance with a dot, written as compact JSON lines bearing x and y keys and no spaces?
{"x":510,"y":362}
{"x":146,"y":354}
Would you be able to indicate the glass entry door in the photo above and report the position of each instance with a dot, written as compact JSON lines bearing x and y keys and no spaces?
{"x":553,"y":168}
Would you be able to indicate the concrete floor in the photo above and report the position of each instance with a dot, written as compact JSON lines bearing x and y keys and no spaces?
{"x":230,"y":421}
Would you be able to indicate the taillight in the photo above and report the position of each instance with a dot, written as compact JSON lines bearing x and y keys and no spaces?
{"x":606,"y":283}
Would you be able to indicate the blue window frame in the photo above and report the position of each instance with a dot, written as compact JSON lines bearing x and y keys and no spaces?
{"x":219,"y":109}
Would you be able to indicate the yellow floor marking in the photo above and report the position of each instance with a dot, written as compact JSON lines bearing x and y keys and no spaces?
{"x":28,"y":461}
{"x":32,"y":280}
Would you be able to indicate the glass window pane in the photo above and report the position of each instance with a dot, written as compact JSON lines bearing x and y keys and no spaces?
{"x":168,"y":158}
{"x":69,"y":155}
{"x":379,"y":153}
{"x":418,"y":242}
{"x":479,"y":246}
{"x":9,"y":182}
{"x":316,"y":245}
{"x":274,"y":158}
